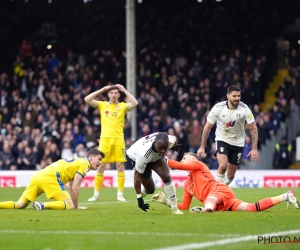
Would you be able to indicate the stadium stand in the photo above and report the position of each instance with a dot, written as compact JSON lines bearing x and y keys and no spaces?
{"x":185,"y":61}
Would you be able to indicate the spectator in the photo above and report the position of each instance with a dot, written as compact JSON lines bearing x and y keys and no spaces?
{"x":247,"y":149}
{"x":27,"y":160}
{"x":182,"y":137}
{"x":284,"y":109}
{"x":28,"y":120}
{"x":212,"y":160}
{"x":54,"y":61}
{"x":54,"y":153}
{"x":276,"y":116}
{"x":80,"y":151}
{"x":78,"y":138}
{"x":90,"y":137}
{"x":195,"y":136}
{"x":7,"y":160}
{"x":283,"y":154}
{"x":66,"y":151}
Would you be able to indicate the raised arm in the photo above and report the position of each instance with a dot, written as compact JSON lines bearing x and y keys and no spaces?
{"x":132,"y":101}
{"x":90,"y":99}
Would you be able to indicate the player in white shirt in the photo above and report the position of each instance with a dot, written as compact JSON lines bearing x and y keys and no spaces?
{"x":147,"y":154}
{"x":231,"y":117}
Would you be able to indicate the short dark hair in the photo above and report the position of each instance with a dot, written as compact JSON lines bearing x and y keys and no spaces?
{"x":232,"y":88}
{"x":113,"y":87}
{"x":162,"y":136}
{"x":94,"y":151}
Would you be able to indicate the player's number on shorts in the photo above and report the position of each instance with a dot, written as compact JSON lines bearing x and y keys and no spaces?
{"x":239,"y":157}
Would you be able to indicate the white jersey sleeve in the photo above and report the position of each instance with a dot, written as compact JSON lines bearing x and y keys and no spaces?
{"x":249,"y":116}
{"x":213,"y":115}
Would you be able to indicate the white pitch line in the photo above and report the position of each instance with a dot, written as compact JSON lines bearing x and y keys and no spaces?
{"x":111,"y":202}
{"x":226,"y":241}
{"x":104,"y":202}
{"x":98,"y":233}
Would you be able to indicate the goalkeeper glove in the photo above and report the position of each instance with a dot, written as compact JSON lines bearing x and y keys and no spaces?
{"x":160,"y":197}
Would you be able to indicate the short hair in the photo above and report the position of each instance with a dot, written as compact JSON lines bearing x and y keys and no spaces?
{"x":162,"y":136}
{"x":94,"y":151}
{"x":113,"y":87}
{"x":193,"y":154}
{"x":232,"y":88}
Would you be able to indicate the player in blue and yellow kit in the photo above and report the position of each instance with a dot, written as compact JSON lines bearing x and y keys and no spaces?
{"x":112,"y":143}
{"x":51,"y":180}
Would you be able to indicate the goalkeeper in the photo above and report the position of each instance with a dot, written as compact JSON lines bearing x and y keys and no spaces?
{"x":214,"y":195}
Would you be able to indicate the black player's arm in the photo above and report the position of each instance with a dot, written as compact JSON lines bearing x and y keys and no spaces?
{"x":137,"y":182}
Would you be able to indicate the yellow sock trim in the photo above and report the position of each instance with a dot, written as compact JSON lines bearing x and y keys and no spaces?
{"x":98,"y":181}
{"x":121,"y":181}
{"x":9,"y":205}
{"x":57,"y":205}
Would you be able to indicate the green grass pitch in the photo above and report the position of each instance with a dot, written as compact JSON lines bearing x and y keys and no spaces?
{"x":108,"y":224}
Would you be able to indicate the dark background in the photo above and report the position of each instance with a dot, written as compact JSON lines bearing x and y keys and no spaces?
{"x":171,"y":26}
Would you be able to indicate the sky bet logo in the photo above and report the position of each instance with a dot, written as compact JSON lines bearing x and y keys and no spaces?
{"x":246,"y":183}
{"x":230,"y":124}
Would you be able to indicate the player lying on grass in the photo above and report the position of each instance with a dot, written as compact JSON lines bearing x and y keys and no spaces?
{"x":215,"y":196}
{"x":51,"y":180}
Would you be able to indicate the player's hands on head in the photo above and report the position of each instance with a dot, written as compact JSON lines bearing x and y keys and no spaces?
{"x":106,"y":88}
{"x":121,"y":87}
{"x":142,"y":205}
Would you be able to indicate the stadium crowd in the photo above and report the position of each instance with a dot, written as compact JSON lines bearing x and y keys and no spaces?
{"x":44,"y":117}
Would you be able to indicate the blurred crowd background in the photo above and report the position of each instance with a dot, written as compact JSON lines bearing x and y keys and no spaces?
{"x":54,"y":53}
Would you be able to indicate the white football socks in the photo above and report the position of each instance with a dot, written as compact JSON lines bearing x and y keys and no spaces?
{"x":220,"y":178}
{"x":227,"y":180}
{"x":283,"y":197}
{"x":96,"y":193}
{"x":171,"y":193}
